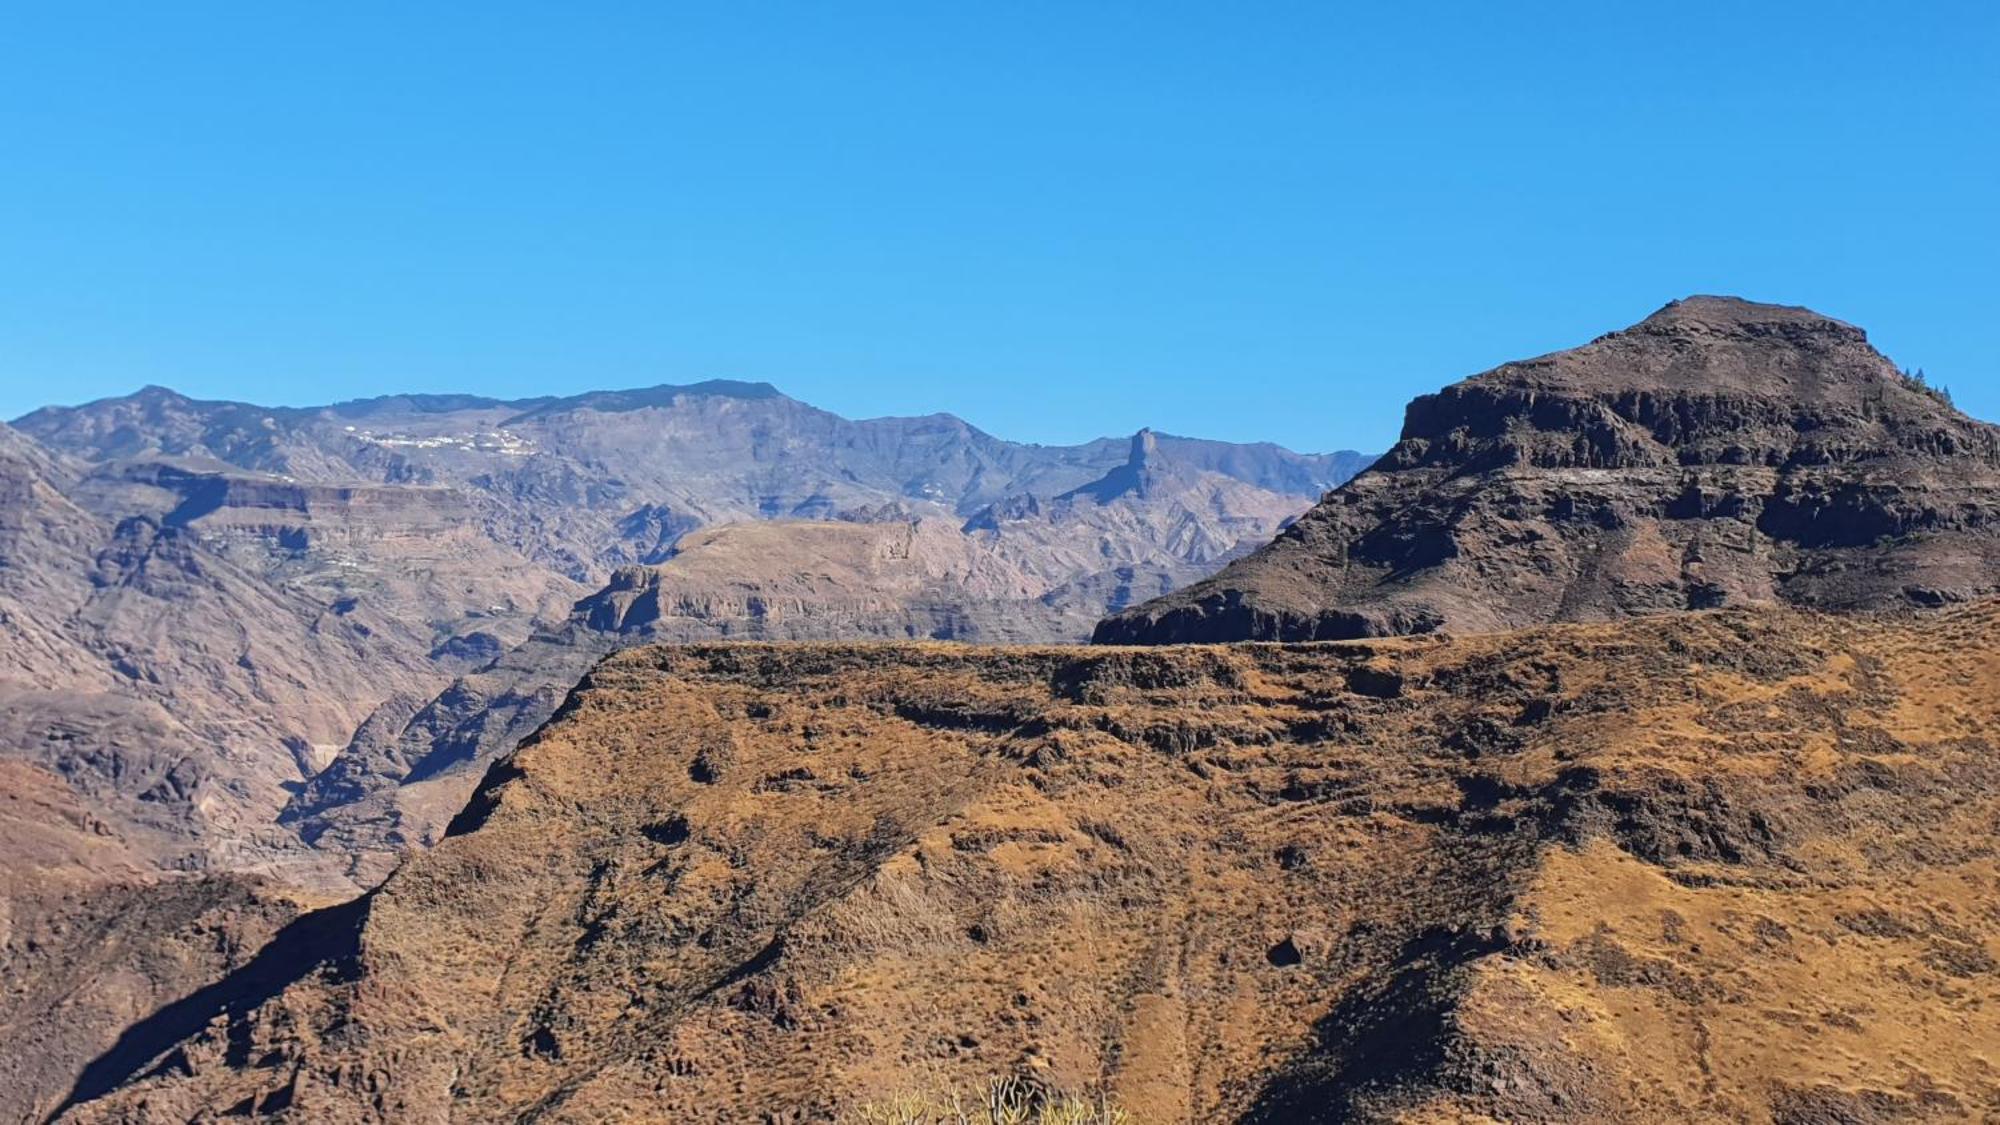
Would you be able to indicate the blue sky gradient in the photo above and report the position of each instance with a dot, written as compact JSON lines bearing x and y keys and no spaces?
{"x":1248,"y":221}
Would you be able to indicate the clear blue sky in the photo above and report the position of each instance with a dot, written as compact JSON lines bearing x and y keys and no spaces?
{"x":1055,"y":219}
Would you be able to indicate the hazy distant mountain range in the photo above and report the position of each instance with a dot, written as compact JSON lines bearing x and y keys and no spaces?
{"x":205,"y":600}
{"x":593,"y":481}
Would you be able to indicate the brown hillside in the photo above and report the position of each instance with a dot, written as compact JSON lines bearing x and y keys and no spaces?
{"x":1716,"y":866}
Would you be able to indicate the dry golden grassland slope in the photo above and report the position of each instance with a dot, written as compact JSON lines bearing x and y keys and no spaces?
{"x":1733,"y":865}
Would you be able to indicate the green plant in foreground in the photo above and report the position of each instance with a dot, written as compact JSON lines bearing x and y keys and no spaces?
{"x":1005,"y":1101}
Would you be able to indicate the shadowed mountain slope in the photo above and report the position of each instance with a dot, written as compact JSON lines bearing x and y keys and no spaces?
{"x":1720,"y":452}
{"x":143,"y":731}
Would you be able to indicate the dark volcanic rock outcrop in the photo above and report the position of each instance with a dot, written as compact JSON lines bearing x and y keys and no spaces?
{"x":1718,"y":453}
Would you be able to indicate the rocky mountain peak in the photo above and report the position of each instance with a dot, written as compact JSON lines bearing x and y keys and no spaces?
{"x":1706,"y":380}
{"x":154,"y":393}
{"x":1717,"y":345}
{"x":1144,"y":472}
{"x":1145,"y":447}
{"x":1710,"y":313}
{"x":1720,"y":451}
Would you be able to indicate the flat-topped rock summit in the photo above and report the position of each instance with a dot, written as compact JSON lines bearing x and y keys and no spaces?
{"x":1719,"y":452}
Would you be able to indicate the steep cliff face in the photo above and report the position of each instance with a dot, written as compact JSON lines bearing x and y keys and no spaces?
{"x":1715,"y":866}
{"x":417,"y":557}
{"x":1718,"y":453}
{"x":816,"y":581}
